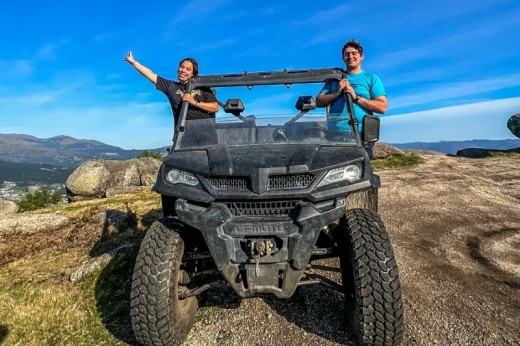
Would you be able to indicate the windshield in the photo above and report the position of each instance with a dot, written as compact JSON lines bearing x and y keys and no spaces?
{"x":265,"y":115}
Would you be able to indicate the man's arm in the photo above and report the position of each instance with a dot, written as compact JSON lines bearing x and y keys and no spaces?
{"x":323,"y":100}
{"x":376,"y":105}
{"x":378,"y":102}
{"x":145,"y":71}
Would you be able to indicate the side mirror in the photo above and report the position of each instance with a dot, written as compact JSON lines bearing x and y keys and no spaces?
{"x":305,"y":103}
{"x":234,"y":106}
{"x":371,"y":125}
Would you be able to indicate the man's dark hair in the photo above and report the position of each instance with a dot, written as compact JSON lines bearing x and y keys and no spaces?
{"x":195,"y":65}
{"x":354,"y":44}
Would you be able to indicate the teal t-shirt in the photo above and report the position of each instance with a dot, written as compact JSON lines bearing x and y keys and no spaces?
{"x":365,"y":84}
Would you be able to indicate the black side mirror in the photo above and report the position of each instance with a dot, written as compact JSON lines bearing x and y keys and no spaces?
{"x":305,"y":103}
{"x":234,"y":106}
{"x":371,"y":125}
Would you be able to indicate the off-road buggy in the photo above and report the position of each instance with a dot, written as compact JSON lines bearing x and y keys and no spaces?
{"x":257,"y":199}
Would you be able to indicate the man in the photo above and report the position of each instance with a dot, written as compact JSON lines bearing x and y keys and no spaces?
{"x":365,"y":88}
{"x":202,"y":102}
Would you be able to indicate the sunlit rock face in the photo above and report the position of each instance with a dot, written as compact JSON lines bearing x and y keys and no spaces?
{"x":98,"y":178}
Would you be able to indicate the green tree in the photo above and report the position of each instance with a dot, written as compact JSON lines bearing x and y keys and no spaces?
{"x":149,"y":153}
{"x":39,"y":199}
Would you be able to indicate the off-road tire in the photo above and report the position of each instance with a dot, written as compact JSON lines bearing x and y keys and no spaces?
{"x":158,"y":316}
{"x":373,"y":300}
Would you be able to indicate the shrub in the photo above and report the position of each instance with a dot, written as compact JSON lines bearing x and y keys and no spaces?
{"x":149,"y":153}
{"x":39,"y":199}
{"x":397,"y":161}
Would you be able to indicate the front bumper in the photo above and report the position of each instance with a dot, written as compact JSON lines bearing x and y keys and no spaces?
{"x":229,"y":238}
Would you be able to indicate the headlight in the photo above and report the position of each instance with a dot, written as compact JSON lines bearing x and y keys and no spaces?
{"x":351,"y":173}
{"x":175,"y":176}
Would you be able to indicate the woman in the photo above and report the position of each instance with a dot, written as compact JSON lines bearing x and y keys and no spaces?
{"x":202,"y":102}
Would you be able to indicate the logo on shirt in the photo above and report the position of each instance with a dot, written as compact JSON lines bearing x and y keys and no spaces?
{"x":193,"y":92}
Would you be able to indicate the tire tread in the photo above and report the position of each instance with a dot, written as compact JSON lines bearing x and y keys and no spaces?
{"x":158,"y":317}
{"x":376,"y":312}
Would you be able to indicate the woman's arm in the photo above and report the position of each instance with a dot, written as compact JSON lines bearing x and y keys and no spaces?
{"x":145,"y":71}
{"x":205,"y":106}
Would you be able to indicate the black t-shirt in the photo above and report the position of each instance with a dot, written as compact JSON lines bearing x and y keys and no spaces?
{"x":174,"y":90}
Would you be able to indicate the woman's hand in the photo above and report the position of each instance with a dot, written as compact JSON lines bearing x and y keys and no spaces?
{"x":188,"y":98}
{"x":130,"y":58}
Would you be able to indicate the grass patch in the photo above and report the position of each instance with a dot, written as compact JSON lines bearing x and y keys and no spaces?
{"x":112,"y":293}
{"x":47,"y":309}
{"x":139,"y":200}
{"x":39,"y":305}
{"x":52,"y":312}
{"x":397,"y":161}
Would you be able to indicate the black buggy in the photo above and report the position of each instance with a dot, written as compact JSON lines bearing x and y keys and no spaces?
{"x":257,"y":199}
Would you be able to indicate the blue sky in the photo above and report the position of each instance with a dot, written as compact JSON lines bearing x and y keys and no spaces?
{"x":451,"y":68}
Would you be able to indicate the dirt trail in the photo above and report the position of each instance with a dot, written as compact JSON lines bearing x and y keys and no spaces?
{"x":457,"y":241}
{"x":455,"y":227}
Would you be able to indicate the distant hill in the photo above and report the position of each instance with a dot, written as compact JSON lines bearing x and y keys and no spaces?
{"x":27,"y":174}
{"x":451,"y":147}
{"x":69,"y":152}
{"x":60,"y":150}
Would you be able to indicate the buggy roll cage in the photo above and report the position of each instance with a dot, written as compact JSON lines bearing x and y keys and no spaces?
{"x":250,"y":79}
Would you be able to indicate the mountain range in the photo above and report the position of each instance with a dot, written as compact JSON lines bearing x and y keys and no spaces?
{"x":451,"y":147}
{"x":70,"y":152}
{"x":60,"y":150}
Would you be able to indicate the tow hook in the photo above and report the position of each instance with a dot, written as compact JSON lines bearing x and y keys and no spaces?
{"x":261,"y":247}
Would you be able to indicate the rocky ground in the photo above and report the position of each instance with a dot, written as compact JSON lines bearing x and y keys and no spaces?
{"x":455,"y":228}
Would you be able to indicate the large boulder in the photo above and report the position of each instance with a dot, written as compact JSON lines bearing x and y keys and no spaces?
{"x":481,"y":152}
{"x":98,"y":178}
{"x":513,"y":124}
{"x":28,"y":224}
{"x":8,"y":207}
{"x":383,"y":150}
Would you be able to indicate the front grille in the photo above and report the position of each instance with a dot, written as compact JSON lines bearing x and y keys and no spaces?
{"x":229,"y":183}
{"x":293,"y":181}
{"x":272,"y":208}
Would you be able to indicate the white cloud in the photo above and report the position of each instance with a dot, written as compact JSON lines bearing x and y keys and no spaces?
{"x":481,"y":120}
{"x":27,"y":101}
{"x":196,"y":10}
{"x":48,"y":51}
{"x":15,"y":69}
{"x":330,"y":16}
{"x":132,"y":125}
{"x":204,"y":47}
{"x":64,"y":89}
{"x":102,"y":37}
{"x":472,"y":35}
{"x":456,"y":90}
